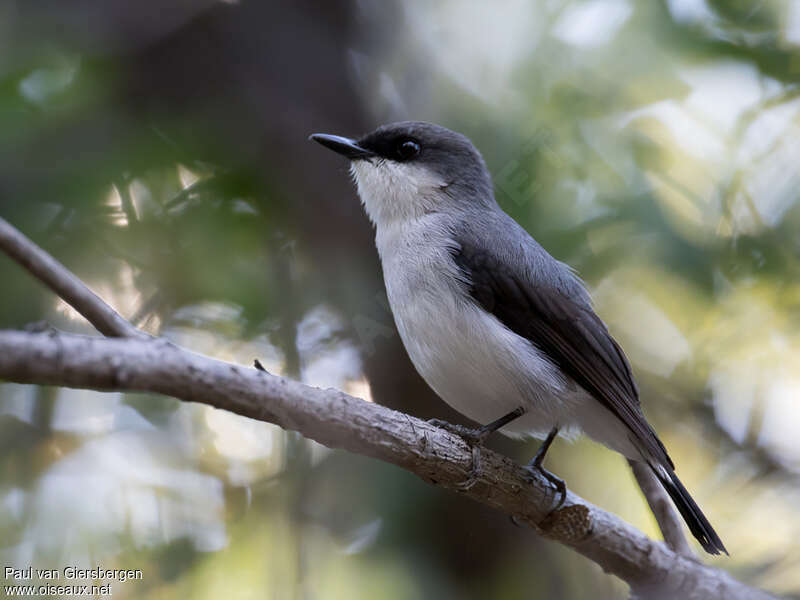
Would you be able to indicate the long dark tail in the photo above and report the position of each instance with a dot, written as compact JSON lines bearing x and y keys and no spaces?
{"x":691,"y":513}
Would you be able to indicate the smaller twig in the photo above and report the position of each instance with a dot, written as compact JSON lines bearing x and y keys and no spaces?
{"x":660,"y":505}
{"x":66,"y":285}
{"x":127,"y":202}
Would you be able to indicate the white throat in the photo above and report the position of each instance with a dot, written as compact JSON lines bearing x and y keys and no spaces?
{"x":394,"y":192}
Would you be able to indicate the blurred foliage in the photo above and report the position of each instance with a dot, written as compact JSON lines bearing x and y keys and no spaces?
{"x":159,"y":150}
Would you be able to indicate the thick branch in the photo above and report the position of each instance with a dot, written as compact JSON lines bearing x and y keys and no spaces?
{"x":341,"y":421}
{"x":64,"y":283}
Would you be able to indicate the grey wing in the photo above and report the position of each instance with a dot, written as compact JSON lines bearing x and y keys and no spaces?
{"x":554,"y":314}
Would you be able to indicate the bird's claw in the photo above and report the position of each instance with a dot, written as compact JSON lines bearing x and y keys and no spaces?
{"x":535,"y":469}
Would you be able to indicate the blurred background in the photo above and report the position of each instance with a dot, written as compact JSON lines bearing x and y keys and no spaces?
{"x":159,"y":149}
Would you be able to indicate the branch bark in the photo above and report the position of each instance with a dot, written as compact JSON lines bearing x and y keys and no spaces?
{"x":337,"y":420}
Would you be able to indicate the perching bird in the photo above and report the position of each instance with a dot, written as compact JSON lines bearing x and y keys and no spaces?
{"x":500,"y":329}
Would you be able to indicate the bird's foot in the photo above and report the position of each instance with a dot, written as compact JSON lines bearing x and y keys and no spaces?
{"x":535,"y":468}
{"x":475,"y":438}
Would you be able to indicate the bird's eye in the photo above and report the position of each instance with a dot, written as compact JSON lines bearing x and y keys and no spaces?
{"x":407,"y":149}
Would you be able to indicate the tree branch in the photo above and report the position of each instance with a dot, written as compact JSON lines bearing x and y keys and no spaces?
{"x":108,"y":322}
{"x":341,"y":421}
{"x":64,"y":283}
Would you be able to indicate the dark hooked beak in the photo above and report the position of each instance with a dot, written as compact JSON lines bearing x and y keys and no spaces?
{"x":342,"y":145}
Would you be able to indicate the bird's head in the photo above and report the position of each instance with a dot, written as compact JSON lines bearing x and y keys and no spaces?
{"x":408,"y":169}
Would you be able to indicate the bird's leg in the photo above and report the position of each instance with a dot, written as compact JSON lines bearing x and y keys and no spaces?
{"x":536,"y":466}
{"x":476,"y":437}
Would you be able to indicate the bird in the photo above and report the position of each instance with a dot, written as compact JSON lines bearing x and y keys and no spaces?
{"x":502,"y":331}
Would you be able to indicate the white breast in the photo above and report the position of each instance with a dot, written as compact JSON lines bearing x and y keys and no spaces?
{"x":476,"y":364}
